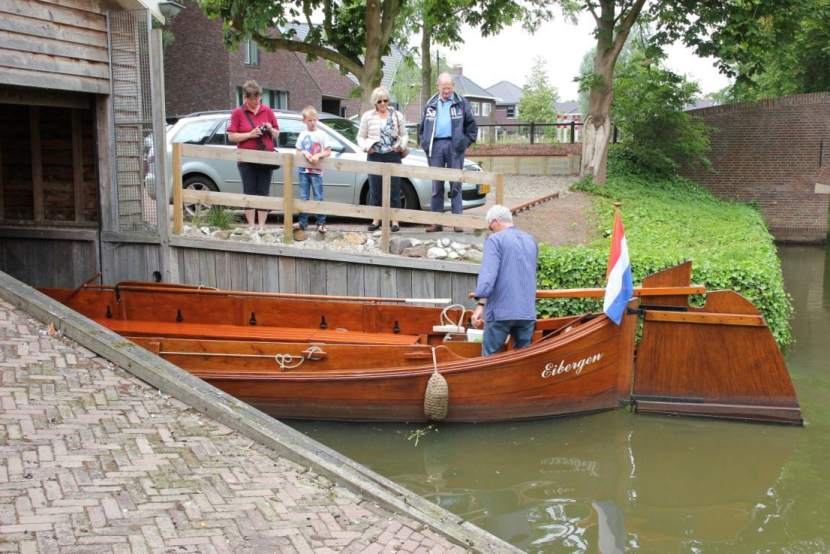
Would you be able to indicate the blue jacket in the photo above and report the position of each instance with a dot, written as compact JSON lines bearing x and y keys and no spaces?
{"x":464,"y":128}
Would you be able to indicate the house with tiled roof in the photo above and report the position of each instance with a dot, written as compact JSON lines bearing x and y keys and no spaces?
{"x":507,"y":96}
{"x":200,"y":73}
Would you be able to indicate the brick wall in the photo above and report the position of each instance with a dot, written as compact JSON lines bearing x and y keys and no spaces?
{"x":196,"y":71}
{"x":201,"y":74}
{"x":769,"y":152}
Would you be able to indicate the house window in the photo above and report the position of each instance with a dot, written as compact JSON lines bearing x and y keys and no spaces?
{"x":510,"y":111}
{"x":485,"y":108}
{"x":274,"y":99}
{"x":251,"y":53}
{"x":476,"y":108}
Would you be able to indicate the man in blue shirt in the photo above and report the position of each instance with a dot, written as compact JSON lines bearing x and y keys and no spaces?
{"x":448,"y":127}
{"x":506,"y":289}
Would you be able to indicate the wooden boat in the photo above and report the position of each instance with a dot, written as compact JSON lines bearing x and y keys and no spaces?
{"x":345,"y":358}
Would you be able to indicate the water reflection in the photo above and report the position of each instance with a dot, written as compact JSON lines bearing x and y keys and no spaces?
{"x":617,"y":482}
{"x":570,"y":485}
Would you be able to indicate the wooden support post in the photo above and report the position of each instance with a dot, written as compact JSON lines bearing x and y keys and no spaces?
{"x":288,"y":197}
{"x":37,"y":165}
{"x":78,"y":165}
{"x":386,"y":196}
{"x":500,"y":189}
{"x":178,"y":207}
{"x":2,"y":204}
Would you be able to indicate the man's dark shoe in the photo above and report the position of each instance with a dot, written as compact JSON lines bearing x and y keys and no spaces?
{"x":434,"y":228}
{"x":458,"y":229}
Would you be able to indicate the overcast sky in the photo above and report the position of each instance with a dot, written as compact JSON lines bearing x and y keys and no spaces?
{"x":509,"y":56}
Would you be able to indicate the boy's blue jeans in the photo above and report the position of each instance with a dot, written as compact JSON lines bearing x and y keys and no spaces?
{"x":311,"y":182}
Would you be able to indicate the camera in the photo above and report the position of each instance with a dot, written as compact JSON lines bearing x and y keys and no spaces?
{"x":263,"y":128}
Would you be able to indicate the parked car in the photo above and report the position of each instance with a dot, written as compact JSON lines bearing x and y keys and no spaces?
{"x":209,"y":128}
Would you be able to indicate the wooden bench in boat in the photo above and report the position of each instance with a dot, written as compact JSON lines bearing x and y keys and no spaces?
{"x":252,"y":333}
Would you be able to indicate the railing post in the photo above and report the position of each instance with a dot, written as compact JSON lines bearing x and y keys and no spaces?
{"x":573,"y":131}
{"x":386,"y":195}
{"x":500,"y":188}
{"x":288,"y":197}
{"x":532,"y":132}
{"x":178,"y":208}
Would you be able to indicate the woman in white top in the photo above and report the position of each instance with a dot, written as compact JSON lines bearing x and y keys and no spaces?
{"x":383,"y":137}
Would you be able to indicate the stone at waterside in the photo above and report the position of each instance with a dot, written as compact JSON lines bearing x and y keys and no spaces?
{"x":398,"y":244}
{"x":473,"y":255}
{"x":436,"y":253}
{"x":355,"y":238}
{"x":418,"y":251}
{"x":300,"y":235}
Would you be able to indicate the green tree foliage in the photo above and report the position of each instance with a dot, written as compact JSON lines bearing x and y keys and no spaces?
{"x":538,"y":103}
{"x":798,"y":63}
{"x":648,"y":110}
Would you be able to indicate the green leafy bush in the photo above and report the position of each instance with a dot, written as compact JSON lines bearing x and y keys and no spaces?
{"x":668,"y":220}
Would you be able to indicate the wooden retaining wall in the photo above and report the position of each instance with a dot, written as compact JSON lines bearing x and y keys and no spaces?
{"x":67,"y":259}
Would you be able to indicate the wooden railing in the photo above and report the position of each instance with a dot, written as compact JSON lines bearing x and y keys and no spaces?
{"x":288,"y":205}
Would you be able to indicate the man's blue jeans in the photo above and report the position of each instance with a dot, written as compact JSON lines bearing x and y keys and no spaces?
{"x":495,"y":333}
{"x":309,"y":182}
{"x":442,"y":155}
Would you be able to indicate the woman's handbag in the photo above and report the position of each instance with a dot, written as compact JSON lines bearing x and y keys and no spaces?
{"x":401,"y":128}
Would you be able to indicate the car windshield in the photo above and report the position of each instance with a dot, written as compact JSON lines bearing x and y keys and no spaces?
{"x":196,"y":132}
{"x":345,"y":127}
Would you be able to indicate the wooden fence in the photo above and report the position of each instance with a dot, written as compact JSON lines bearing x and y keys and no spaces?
{"x":288,"y":205}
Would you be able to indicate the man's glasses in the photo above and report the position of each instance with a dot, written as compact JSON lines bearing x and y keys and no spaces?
{"x":383,"y":101}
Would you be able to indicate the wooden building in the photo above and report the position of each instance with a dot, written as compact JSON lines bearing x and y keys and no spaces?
{"x":81,"y":96}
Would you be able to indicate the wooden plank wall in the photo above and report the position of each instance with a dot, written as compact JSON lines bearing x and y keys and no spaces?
{"x":131,"y":261}
{"x":54,"y":44}
{"x":276,"y":273}
{"x":49,"y":263}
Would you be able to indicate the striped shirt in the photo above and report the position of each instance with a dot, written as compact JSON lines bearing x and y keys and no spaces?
{"x":507,"y":278}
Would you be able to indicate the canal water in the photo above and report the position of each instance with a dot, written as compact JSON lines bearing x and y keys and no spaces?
{"x":617,"y":481}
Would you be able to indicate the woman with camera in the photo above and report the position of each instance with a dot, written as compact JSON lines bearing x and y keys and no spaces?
{"x":253,"y":126}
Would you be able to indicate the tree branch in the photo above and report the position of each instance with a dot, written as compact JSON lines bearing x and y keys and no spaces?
{"x":390,"y":9}
{"x":592,"y":8}
{"x":345,"y":62}
{"x":625,"y":26}
{"x":327,"y":18}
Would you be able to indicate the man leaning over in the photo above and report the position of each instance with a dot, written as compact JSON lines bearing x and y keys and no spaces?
{"x":447,"y":129}
{"x":506,"y":288}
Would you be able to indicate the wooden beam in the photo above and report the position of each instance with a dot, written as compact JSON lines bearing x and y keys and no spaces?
{"x":287,"y":197}
{"x":105,"y":147}
{"x":710,"y":318}
{"x":178,"y":206}
{"x":166,"y":261}
{"x":51,"y":98}
{"x":386,"y":198}
{"x":638,"y":291}
{"x":500,"y":189}
{"x":53,"y":47}
{"x":40,"y":28}
{"x":51,"y":64}
{"x":37,"y":165}
{"x":374,"y":168}
{"x":40,"y":79}
{"x":54,"y":13}
{"x":2,"y":205}
{"x":78,"y":165}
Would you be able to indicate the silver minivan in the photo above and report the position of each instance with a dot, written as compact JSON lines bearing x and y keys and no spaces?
{"x":209,"y":128}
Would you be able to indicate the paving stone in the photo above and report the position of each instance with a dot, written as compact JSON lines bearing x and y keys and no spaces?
{"x":94,"y":460}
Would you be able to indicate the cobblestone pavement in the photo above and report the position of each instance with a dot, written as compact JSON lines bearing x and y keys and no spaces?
{"x":94,"y":460}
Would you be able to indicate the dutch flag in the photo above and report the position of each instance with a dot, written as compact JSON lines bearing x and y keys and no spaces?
{"x":620,"y":286}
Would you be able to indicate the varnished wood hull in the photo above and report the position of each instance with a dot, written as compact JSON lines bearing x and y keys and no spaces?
{"x":510,"y":386}
{"x":300,"y":356}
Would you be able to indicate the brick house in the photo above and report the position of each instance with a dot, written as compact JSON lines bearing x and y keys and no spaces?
{"x":201,"y":74}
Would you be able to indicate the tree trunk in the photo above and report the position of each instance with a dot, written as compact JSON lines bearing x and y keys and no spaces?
{"x":372,"y":71}
{"x":596,"y":129}
{"x":426,"y":67}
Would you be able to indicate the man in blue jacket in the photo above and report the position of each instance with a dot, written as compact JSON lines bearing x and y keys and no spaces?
{"x":447,"y":129}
